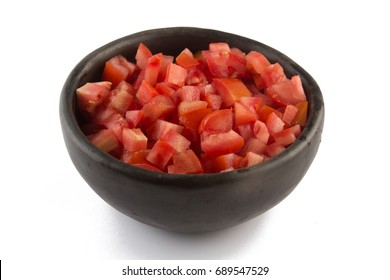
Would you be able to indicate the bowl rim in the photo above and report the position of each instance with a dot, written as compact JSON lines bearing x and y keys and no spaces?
{"x":70,"y":125}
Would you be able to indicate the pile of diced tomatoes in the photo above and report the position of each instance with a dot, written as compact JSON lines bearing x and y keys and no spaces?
{"x":213,"y":111}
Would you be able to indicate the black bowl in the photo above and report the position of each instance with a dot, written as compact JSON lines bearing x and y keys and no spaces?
{"x":188,"y":203}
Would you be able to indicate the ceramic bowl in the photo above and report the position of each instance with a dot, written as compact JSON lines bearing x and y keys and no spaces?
{"x":188,"y":203}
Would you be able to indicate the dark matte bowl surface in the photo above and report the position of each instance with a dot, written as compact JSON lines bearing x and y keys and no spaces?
{"x":188,"y":203}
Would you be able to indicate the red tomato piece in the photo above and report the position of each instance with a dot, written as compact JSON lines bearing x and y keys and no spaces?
{"x":176,"y":75}
{"x":224,"y":162}
{"x":134,"y":139}
{"x":166,"y":60}
{"x":195,"y":77}
{"x":230,"y":90}
{"x":105,"y":140}
{"x":146,"y":92}
{"x":301,"y":115}
{"x":148,"y":167}
{"x":217,"y":63}
{"x":185,"y":162}
{"x":217,"y":122}
{"x":191,"y":113}
{"x":274,"y":149}
{"x":287,"y":91}
{"x":243,"y":115}
{"x":265,"y":111}
{"x":289,"y":114}
{"x":186,"y":59}
{"x":274,"y":123}
{"x":158,"y":129}
{"x":189,"y":93}
{"x":134,"y":117}
{"x":237,"y":67}
{"x":214,"y":101}
{"x":252,"y":158}
{"x":245,"y":131}
{"x":272,"y":74}
{"x":142,"y":55}
{"x":152,"y":68}
{"x":113,"y":120}
{"x":158,"y":107}
{"x":137,"y":157}
{"x":222,"y":143}
{"x":256,"y":62}
{"x":285,"y":137}
{"x":176,"y":140}
{"x":91,"y":95}
{"x":260,"y":131}
{"x":219,"y":47}
{"x":160,"y":154}
{"x":119,"y":100}
{"x":165,"y":89}
{"x":117,"y":69}
{"x":253,"y":145}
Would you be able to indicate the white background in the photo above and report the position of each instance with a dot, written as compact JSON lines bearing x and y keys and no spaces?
{"x":335,"y":225}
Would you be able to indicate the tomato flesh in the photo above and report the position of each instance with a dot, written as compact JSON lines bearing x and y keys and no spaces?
{"x":214,"y":110}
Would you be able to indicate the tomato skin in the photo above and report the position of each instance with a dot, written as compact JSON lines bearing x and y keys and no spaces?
{"x":243,"y":114}
{"x":256,"y":62}
{"x":160,"y":154}
{"x":186,"y":59}
{"x":222,"y":143}
{"x":137,"y":157}
{"x":152,"y":68}
{"x":191,"y":113}
{"x":142,"y":55}
{"x":176,"y":75}
{"x":117,"y":69}
{"x":216,"y":122}
{"x":185,"y":162}
{"x":301,"y":116}
{"x":230,"y":90}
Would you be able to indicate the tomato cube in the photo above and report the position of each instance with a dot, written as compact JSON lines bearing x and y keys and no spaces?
{"x":142,"y":55}
{"x":176,"y":75}
{"x":243,"y":115}
{"x":222,"y":143}
{"x":287,"y":91}
{"x":105,"y":140}
{"x":185,"y":162}
{"x":256,"y":62}
{"x":158,"y":107}
{"x":176,"y":140}
{"x":152,"y":68}
{"x":230,"y":90}
{"x":146,"y":92}
{"x":91,"y":95}
{"x":186,"y":59}
{"x":160,"y":154}
{"x":158,"y":129}
{"x":117,"y":69}
{"x":134,"y":139}
{"x":134,"y":117}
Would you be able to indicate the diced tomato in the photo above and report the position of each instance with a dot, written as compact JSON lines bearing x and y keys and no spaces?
{"x":222,"y":143}
{"x":91,"y":95}
{"x":230,"y":90}
{"x":105,"y":140}
{"x":134,"y":117}
{"x":260,"y":131}
{"x":136,"y":157}
{"x":256,"y":62}
{"x":265,"y":111}
{"x":242,"y":114}
{"x":217,"y":63}
{"x":274,"y":123}
{"x":219,"y":47}
{"x":217,"y":122}
{"x":158,"y":107}
{"x":252,"y":158}
{"x":152,"y":68}
{"x":119,"y":100}
{"x":186,"y":59}
{"x":176,"y":140}
{"x":146,"y":92}
{"x":148,"y":167}
{"x":285,"y":137}
{"x":274,"y":149}
{"x":158,"y":129}
{"x":213,"y":111}
{"x":289,"y":114}
{"x":214,"y":101}
{"x":117,"y":69}
{"x":134,"y":139}
{"x":195,"y":77}
{"x":160,"y":154}
{"x":176,"y":75}
{"x":113,"y":120}
{"x":253,"y":145}
{"x":191,"y":113}
{"x":272,"y":74}
{"x":287,"y":91}
{"x":142,"y":55}
{"x":301,"y":115}
{"x":189,"y":93}
{"x":185,"y":162}
{"x":166,"y":60}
